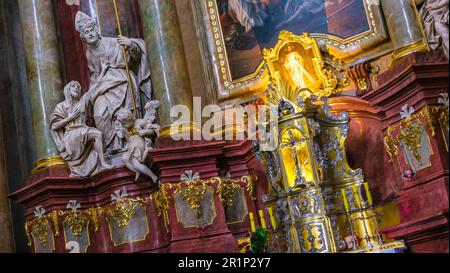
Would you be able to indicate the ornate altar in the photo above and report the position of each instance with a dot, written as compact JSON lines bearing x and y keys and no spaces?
{"x":348,"y":33}
{"x":320,"y":204}
{"x":356,"y":158}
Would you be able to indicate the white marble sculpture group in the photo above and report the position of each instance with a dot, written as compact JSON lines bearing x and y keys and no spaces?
{"x":117,"y":131}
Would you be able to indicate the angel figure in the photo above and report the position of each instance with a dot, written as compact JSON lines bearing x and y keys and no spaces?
{"x":137,"y":135}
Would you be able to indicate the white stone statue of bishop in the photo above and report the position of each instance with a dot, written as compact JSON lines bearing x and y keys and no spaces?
{"x":108,"y":76}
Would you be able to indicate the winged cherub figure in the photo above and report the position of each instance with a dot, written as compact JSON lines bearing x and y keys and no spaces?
{"x":139,"y":135}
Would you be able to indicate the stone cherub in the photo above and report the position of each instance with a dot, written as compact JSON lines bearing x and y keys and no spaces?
{"x":79,"y":145}
{"x":139,"y":135}
{"x":108,"y":73}
{"x":148,"y":122}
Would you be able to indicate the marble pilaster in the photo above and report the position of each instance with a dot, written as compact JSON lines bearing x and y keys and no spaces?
{"x":405,"y":28}
{"x":168,"y":66}
{"x":44,"y":75}
{"x":6,"y":235}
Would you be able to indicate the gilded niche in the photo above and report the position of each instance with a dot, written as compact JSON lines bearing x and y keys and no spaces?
{"x":297,"y":62}
{"x":294,"y":150}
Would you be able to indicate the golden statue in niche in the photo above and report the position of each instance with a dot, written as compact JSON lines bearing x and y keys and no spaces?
{"x":297,"y":62}
{"x":296,"y":70}
{"x":294,"y":151}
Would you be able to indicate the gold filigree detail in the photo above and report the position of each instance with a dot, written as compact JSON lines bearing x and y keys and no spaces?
{"x":411,"y":136}
{"x":375,"y":70}
{"x":39,"y":227}
{"x":93,"y":213}
{"x":227,"y":192}
{"x":390,"y":144}
{"x":251,"y":185}
{"x":317,"y":233}
{"x":282,"y":91}
{"x":441,"y":113}
{"x":193,"y":195}
{"x":162,"y":202}
{"x":362,"y":84}
{"x":443,"y":117}
{"x":121,"y":212}
{"x":192,"y":191}
{"x":54,"y":217}
{"x":409,"y":131}
{"x":344,"y":81}
{"x":77,"y":223}
{"x":426,"y":113}
{"x":27,"y":232}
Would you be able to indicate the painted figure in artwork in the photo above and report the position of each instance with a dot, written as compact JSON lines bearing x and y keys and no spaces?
{"x":79,"y":145}
{"x":255,"y":13}
{"x":249,"y":26}
{"x":107,"y":66}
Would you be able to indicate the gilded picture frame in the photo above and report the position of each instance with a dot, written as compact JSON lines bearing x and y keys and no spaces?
{"x":226,"y":90}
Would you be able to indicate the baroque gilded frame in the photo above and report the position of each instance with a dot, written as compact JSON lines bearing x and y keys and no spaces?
{"x":327,"y":80}
{"x":226,"y":90}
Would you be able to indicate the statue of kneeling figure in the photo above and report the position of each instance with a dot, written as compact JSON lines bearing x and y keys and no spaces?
{"x":79,"y":145}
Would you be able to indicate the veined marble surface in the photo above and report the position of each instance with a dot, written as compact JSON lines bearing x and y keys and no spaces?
{"x":6,"y":237}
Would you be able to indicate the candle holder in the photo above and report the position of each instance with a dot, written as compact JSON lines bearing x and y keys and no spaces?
{"x":252,"y":222}
{"x":362,"y":218}
{"x":262,"y":219}
{"x":374,"y":214}
{"x":355,"y":244}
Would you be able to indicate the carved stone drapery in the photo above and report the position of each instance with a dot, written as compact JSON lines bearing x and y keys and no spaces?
{"x":435,"y":19}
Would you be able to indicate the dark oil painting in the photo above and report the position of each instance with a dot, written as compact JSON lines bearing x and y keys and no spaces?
{"x":248,"y":26}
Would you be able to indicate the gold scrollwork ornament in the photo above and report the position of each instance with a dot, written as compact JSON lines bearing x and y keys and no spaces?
{"x":193,"y":195}
{"x":121,"y":212}
{"x":162,"y":202}
{"x":41,"y":228}
{"x":77,"y":223}
{"x":390,"y":144}
{"x":227,"y":192}
{"x":411,"y":137}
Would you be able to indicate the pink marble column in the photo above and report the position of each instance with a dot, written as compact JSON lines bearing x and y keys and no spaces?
{"x":6,"y":236}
